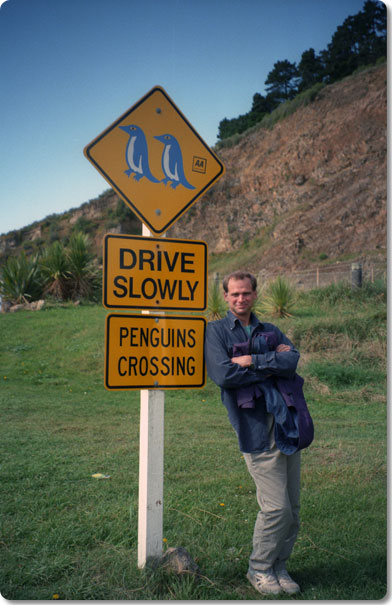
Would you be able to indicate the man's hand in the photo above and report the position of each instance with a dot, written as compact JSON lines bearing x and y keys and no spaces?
{"x":246,"y":360}
{"x":243,"y":360}
{"x":282,"y":348}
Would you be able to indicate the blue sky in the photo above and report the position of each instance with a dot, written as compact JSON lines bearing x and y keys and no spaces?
{"x":69,"y":68}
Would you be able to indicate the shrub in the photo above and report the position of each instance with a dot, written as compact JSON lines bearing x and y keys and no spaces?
{"x":21,"y":279}
{"x":278,"y":298}
{"x":83,"y":275}
{"x":64,"y":272}
{"x":54,"y":268}
{"x":216,"y":306}
{"x":69,"y":271}
{"x":83,"y":224}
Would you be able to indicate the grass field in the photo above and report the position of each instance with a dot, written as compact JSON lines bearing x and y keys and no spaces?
{"x":67,"y":535}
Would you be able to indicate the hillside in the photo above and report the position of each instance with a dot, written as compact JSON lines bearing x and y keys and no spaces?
{"x":312,"y":187}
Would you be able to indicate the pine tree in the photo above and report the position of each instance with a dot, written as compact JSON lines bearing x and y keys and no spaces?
{"x":281,"y":82}
{"x":310,"y":69}
{"x":360,"y":40}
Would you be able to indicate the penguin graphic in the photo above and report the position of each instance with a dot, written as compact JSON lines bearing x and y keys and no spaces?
{"x":136,"y":154}
{"x":172,"y":164}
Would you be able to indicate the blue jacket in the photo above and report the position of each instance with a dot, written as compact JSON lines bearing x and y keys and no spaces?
{"x":293,"y":423}
{"x":250,"y":423}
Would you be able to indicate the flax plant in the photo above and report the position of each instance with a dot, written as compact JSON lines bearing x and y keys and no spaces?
{"x":277,"y":298}
{"x":54,"y":267}
{"x":216,"y":306}
{"x":20,"y":279}
{"x":83,"y":273}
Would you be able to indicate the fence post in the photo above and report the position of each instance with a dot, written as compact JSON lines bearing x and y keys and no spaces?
{"x":356,"y":275}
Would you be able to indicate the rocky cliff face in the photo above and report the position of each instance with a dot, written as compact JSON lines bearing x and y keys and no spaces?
{"x":313,"y":186}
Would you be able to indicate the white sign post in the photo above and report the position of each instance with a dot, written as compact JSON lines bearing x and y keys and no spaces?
{"x":150,"y":521}
{"x":158,"y":164}
{"x":152,"y":404}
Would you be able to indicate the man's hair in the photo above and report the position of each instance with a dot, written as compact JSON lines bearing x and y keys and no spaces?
{"x":237,"y":275}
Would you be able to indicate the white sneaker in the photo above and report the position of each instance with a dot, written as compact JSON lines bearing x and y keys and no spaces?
{"x":264,"y":582}
{"x":285,"y":580}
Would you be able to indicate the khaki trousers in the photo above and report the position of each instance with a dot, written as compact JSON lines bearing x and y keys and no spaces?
{"x":277,"y":479}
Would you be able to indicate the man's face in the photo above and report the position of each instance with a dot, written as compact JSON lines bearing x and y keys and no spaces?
{"x":240,"y":297}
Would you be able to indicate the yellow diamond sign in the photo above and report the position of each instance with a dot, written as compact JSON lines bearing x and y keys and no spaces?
{"x":155,"y":160}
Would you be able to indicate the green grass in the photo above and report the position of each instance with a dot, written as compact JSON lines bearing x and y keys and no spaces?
{"x":66,"y":533}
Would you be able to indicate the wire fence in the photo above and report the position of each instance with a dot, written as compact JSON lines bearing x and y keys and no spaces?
{"x":341,"y":272}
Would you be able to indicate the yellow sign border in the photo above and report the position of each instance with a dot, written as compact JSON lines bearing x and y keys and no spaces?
{"x":153,"y":385}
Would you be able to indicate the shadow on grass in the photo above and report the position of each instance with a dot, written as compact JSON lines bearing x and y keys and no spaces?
{"x":362,"y":578}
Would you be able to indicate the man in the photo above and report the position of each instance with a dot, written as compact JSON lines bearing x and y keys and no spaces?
{"x":256,"y":410}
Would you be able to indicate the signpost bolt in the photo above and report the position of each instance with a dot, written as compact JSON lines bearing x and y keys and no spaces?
{"x":158,"y":212}
{"x":158,"y":110}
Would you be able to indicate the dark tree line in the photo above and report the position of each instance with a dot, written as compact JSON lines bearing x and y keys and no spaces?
{"x":360,"y":40}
